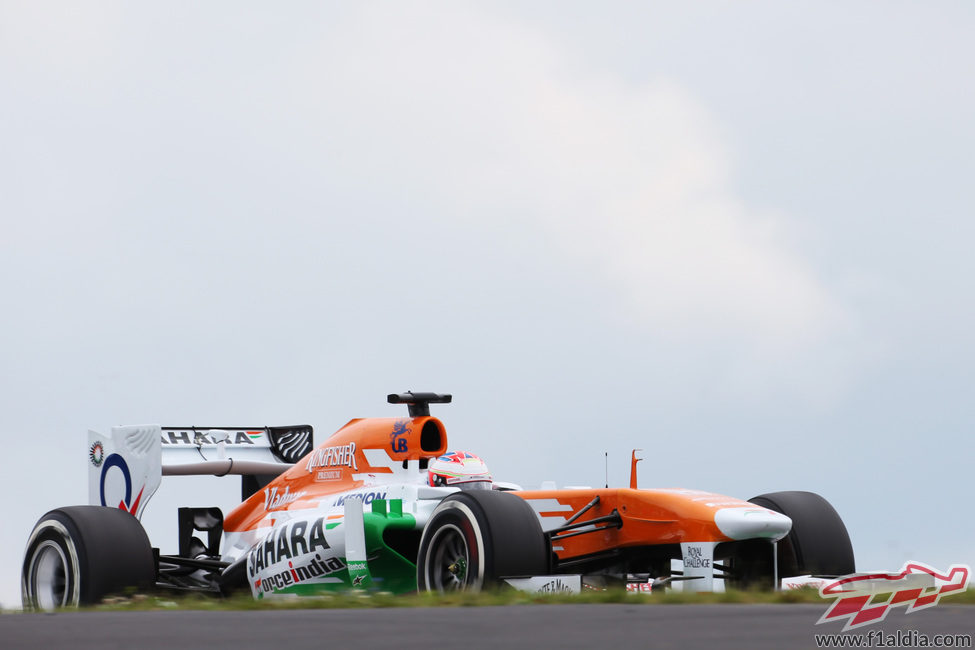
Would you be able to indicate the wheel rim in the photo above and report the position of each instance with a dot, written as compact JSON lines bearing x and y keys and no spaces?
{"x":49,"y":576}
{"x":448,"y":560}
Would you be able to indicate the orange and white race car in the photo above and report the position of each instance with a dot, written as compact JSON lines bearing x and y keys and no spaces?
{"x":383,"y":504}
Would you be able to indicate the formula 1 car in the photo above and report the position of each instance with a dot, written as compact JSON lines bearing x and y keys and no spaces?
{"x":382,"y":504}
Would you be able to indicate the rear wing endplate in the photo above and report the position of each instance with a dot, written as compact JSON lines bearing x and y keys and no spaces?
{"x":126,"y":467}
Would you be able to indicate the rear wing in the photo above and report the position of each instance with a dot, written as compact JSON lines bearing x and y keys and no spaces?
{"x":126,"y":467}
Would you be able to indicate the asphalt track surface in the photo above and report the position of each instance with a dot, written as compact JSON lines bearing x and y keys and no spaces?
{"x":615,"y":627}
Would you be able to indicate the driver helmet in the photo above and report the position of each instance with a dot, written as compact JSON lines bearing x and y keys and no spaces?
{"x":460,"y":469}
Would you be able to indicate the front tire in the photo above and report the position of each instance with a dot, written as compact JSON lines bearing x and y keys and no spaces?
{"x":79,"y":554}
{"x":817,"y":544}
{"x":475,"y":539}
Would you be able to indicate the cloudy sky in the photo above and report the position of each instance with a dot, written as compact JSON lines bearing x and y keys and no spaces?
{"x":735,"y":235}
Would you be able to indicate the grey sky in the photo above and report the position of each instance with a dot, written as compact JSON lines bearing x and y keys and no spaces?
{"x":734,"y":235}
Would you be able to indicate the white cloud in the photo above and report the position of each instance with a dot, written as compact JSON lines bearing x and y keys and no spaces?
{"x":485,"y":120}
{"x":451,"y":114}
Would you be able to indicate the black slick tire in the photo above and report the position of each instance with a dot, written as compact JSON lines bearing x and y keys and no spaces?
{"x":818,"y":543}
{"x":475,"y":539}
{"x":77,"y":555}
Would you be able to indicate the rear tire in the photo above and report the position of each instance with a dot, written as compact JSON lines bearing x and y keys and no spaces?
{"x":474,"y":539}
{"x":79,"y":554}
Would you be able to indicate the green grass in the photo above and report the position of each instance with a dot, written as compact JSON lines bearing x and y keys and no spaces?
{"x":358,"y":600}
{"x":480,"y":599}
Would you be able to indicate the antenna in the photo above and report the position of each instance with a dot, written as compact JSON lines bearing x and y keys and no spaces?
{"x":607,"y":469}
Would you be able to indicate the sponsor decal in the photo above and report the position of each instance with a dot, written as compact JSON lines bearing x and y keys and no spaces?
{"x":397,"y":439}
{"x":96,"y":453}
{"x":367,"y":497}
{"x":802,"y":582}
{"x":555,"y":587}
{"x":288,"y":543}
{"x":338,"y":456}
{"x":359,"y":574}
{"x":328,"y":475}
{"x":114,"y":460}
{"x":640,"y":587}
{"x":916,"y":586}
{"x":198,"y":438}
{"x":315,"y":568}
{"x":695,"y":559}
{"x":568,"y":584}
{"x":274,"y":499}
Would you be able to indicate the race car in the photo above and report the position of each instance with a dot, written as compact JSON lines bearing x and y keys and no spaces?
{"x":384,"y":504}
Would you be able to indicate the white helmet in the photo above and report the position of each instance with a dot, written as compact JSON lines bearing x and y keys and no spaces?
{"x":459,"y":469}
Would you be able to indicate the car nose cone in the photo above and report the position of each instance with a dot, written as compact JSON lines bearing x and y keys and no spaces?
{"x":750,"y":523}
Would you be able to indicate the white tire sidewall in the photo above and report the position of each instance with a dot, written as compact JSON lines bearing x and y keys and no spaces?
{"x":64,"y":541}
{"x":469,"y":515}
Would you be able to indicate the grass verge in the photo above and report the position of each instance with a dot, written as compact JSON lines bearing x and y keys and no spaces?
{"x":360,"y":600}
{"x":354,"y":599}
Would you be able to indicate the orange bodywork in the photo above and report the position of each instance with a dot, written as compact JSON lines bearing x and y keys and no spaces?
{"x":366,"y":452}
{"x":341,"y":464}
{"x":667,"y":516}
